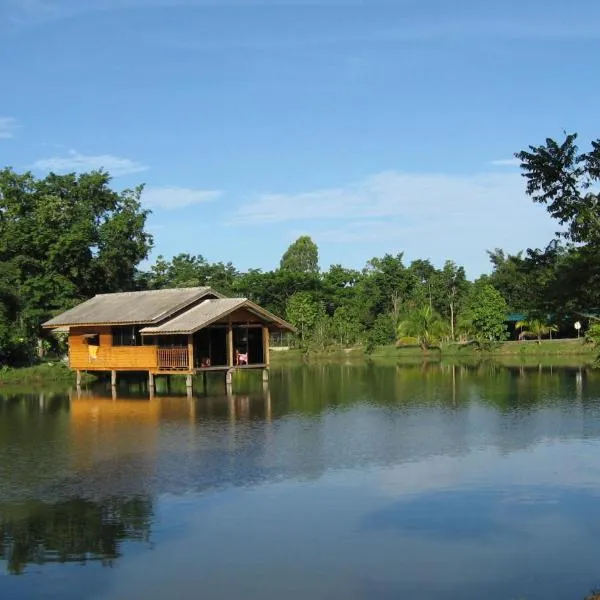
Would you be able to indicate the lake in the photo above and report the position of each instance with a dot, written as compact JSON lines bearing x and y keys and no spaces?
{"x":336,"y":481}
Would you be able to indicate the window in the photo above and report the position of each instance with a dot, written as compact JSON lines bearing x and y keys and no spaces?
{"x":92,"y":339}
{"x":126,"y":336}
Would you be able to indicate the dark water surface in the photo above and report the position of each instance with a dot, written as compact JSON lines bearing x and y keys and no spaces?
{"x":336,"y":482}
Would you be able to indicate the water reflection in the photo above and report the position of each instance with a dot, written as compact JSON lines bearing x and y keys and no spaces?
{"x":71,"y":531}
{"x":355,"y":481}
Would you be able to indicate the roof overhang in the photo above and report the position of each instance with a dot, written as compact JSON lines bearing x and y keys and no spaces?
{"x":268,"y":317}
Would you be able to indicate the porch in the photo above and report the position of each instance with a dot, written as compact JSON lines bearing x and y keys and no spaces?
{"x":214,"y":348}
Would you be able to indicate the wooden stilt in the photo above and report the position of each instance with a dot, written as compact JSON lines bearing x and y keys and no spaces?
{"x":230,"y":344}
{"x":266,"y":346}
{"x":191,"y":352}
{"x":113,"y":378}
{"x":150,"y":382}
{"x":189,"y":383}
{"x":78,"y":378}
{"x":265,"y":375}
{"x":229,"y":377}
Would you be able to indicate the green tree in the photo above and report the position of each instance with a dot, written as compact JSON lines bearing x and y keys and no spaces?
{"x":302,"y":312}
{"x":535,"y":328}
{"x":485,"y":314}
{"x":563,"y":179}
{"x":301,"y":257}
{"x":345,"y":327}
{"x":63,"y":239}
{"x":424,"y":326}
{"x":451,"y":286}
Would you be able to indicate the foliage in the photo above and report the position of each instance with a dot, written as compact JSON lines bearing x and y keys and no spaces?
{"x":562,"y":178}
{"x":425,"y":326}
{"x":301,"y":257}
{"x":486,"y":314}
{"x":535,"y":329}
{"x":63,"y":239}
{"x":302,"y":312}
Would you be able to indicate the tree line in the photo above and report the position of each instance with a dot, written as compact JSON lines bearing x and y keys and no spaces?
{"x":64,"y":238}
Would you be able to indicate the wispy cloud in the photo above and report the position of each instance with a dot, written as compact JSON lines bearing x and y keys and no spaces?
{"x":77,"y":162}
{"x":413,"y":196}
{"x":506,"y":162}
{"x":426,"y":214}
{"x":8,"y":127}
{"x":171,"y":198}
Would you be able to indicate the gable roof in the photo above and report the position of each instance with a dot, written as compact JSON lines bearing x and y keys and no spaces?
{"x":209,"y":311}
{"x":131,"y":308}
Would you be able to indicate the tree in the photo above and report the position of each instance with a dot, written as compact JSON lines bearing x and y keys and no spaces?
{"x":64,"y":238}
{"x":486,"y":313}
{"x":423,"y":325}
{"x":562,"y":178}
{"x":302,"y":312}
{"x":345,"y":327}
{"x":535,"y":329}
{"x":301,"y":257}
{"x":451,"y":281}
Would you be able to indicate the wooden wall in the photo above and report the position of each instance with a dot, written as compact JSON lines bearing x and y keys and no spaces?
{"x":109,"y":357}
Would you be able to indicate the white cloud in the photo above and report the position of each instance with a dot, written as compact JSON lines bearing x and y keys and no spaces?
{"x":177,"y":197}
{"x":506,"y":162}
{"x":434,"y":215}
{"x":74,"y":161}
{"x":415,"y":197}
{"x":8,"y":126}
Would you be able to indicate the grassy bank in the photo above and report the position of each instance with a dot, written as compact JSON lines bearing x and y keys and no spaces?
{"x":45,"y":372}
{"x":526,"y":350}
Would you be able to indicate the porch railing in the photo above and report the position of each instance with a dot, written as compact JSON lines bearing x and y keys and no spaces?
{"x":173,"y":358}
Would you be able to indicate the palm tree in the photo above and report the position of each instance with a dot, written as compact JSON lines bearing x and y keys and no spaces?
{"x":424,"y":326}
{"x":535,"y":329}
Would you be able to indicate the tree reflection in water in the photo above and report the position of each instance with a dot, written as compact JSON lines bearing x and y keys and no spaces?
{"x":71,"y":531}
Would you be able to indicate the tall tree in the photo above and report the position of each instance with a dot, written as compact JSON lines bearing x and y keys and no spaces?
{"x":64,"y":238}
{"x":486,"y":313}
{"x":301,"y":257}
{"x":563,"y":179}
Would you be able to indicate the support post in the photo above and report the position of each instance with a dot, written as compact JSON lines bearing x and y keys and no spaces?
{"x":190,"y":352}
{"x":151,"y":382}
{"x":266,"y":345}
{"x":189,"y":383}
{"x":265,"y":375}
{"x":204,"y":383}
{"x":113,"y":378}
{"x":78,"y":378}
{"x":230,"y":344}
{"x":229,"y":377}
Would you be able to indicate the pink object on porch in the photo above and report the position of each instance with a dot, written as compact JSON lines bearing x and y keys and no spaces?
{"x":241,"y":359}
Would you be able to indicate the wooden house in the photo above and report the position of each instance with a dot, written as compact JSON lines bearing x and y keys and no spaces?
{"x":171,"y":331}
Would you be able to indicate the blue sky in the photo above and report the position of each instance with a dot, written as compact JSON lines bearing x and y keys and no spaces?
{"x":374,"y":127}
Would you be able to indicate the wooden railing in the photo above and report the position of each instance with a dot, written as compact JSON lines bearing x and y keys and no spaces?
{"x":173,"y":358}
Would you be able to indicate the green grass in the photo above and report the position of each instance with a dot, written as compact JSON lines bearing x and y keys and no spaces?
{"x":558,"y":349}
{"x":44,"y":372}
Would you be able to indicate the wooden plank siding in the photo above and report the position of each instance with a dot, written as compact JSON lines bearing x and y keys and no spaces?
{"x":109,"y":357}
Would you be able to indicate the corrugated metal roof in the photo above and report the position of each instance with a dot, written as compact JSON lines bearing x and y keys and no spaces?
{"x":147,"y":307}
{"x":208,"y":312}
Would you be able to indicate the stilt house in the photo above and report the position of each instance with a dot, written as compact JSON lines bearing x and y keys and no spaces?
{"x":171,"y":331}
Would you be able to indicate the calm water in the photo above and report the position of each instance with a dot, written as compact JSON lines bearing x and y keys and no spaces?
{"x":338,"y":482}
